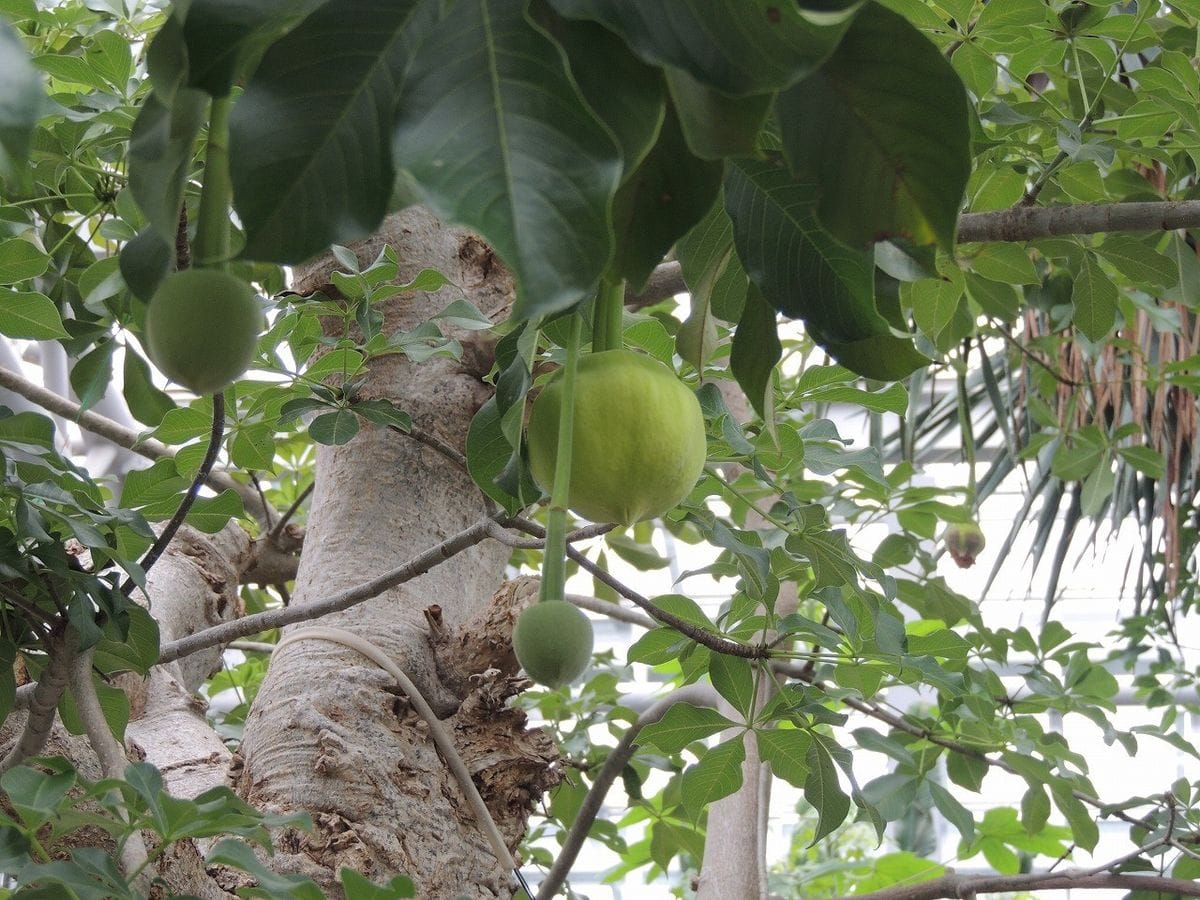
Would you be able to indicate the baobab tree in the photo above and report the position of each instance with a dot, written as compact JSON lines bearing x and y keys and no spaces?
{"x":438,"y":211}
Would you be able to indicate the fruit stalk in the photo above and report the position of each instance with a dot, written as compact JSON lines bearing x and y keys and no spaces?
{"x":965,"y":427}
{"x":211,"y":248}
{"x":607,"y":316}
{"x":554,"y":567}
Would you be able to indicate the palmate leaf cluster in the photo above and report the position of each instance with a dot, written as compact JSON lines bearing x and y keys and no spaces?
{"x":804,"y":159}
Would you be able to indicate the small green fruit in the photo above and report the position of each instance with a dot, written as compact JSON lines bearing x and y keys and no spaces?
{"x":965,"y":541}
{"x":202,"y":327}
{"x":553,"y":642}
{"x":638,"y":439}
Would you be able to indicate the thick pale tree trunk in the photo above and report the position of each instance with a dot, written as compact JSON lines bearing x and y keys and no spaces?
{"x":328,"y":733}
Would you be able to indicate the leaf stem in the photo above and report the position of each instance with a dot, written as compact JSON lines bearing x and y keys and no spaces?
{"x":554,"y":566}
{"x":966,"y":428}
{"x":211,"y":247}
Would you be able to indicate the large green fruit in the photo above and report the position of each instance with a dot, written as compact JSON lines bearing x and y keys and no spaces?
{"x":202,"y":327}
{"x":553,"y":642}
{"x":638,"y":439}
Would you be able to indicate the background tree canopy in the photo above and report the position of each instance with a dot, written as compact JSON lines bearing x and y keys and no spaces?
{"x":969,"y":223}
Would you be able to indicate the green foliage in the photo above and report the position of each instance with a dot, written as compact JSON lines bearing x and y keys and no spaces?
{"x":809,"y":159}
{"x":51,"y":804}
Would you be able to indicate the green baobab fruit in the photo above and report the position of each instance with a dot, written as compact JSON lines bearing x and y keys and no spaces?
{"x":202,"y":327}
{"x":638,"y":439}
{"x":553,"y":642}
{"x":965,"y":541}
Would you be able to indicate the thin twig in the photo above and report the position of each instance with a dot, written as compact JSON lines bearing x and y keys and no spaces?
{"x":41,"y":617}
{"x":176,"y":521}
{"x":579,"y":534}
{"x":434,"y":443}
{"x":277,"y":618}
{"x":116,"y":433}
{"x":1032,"y":357}
{"x":291,"y":511}
{"x":696,"y":633}
{"x":614,"y":765}
{"x":612,"y":610}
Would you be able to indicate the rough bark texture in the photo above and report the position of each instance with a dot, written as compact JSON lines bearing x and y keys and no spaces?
{"x":194,"y":585}
{"x":327,"y":732}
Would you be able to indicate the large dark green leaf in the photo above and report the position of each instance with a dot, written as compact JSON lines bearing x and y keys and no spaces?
{"x":496,"y":136}
{"x":309,"y":138}
{"x":683,"y":724}
{"x":221,"y":36}
{"x":883,"y":125}
{"x":756,"y":350}
{"x":145,"y":400}
{"x":736,"y":46}
{"x":494,"y":440}
{"x":161,"y":145}
{"x":715,"y":124}
{"x":626,"y":95}
{"x":668,"y":194}
{"x":710,"y":265}
{"x":805,"y":273}
{"x":22,"y":99}
{"x":145,"y":262}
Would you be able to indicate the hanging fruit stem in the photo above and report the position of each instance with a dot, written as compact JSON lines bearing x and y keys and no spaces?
{"x":554,"y":565}
{"x":607,"y":324}
{"x":211,"y":248}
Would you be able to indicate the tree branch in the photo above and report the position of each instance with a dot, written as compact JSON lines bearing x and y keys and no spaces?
{"x":952,"y":886}
{"x":277,"y":618}
{"x":698,"y":694}
{"x":612,"y":610}
{"x":210,"y":456}
{"x":665,"y":281}
{"x":1020,"y":223}
{"x":687,"y":629}
{"x":43,"y":702}
{"x":111,"y":754}
{"x":273,"y":539}
{"x":118,"y":434}
{"x":1026,"y":223}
